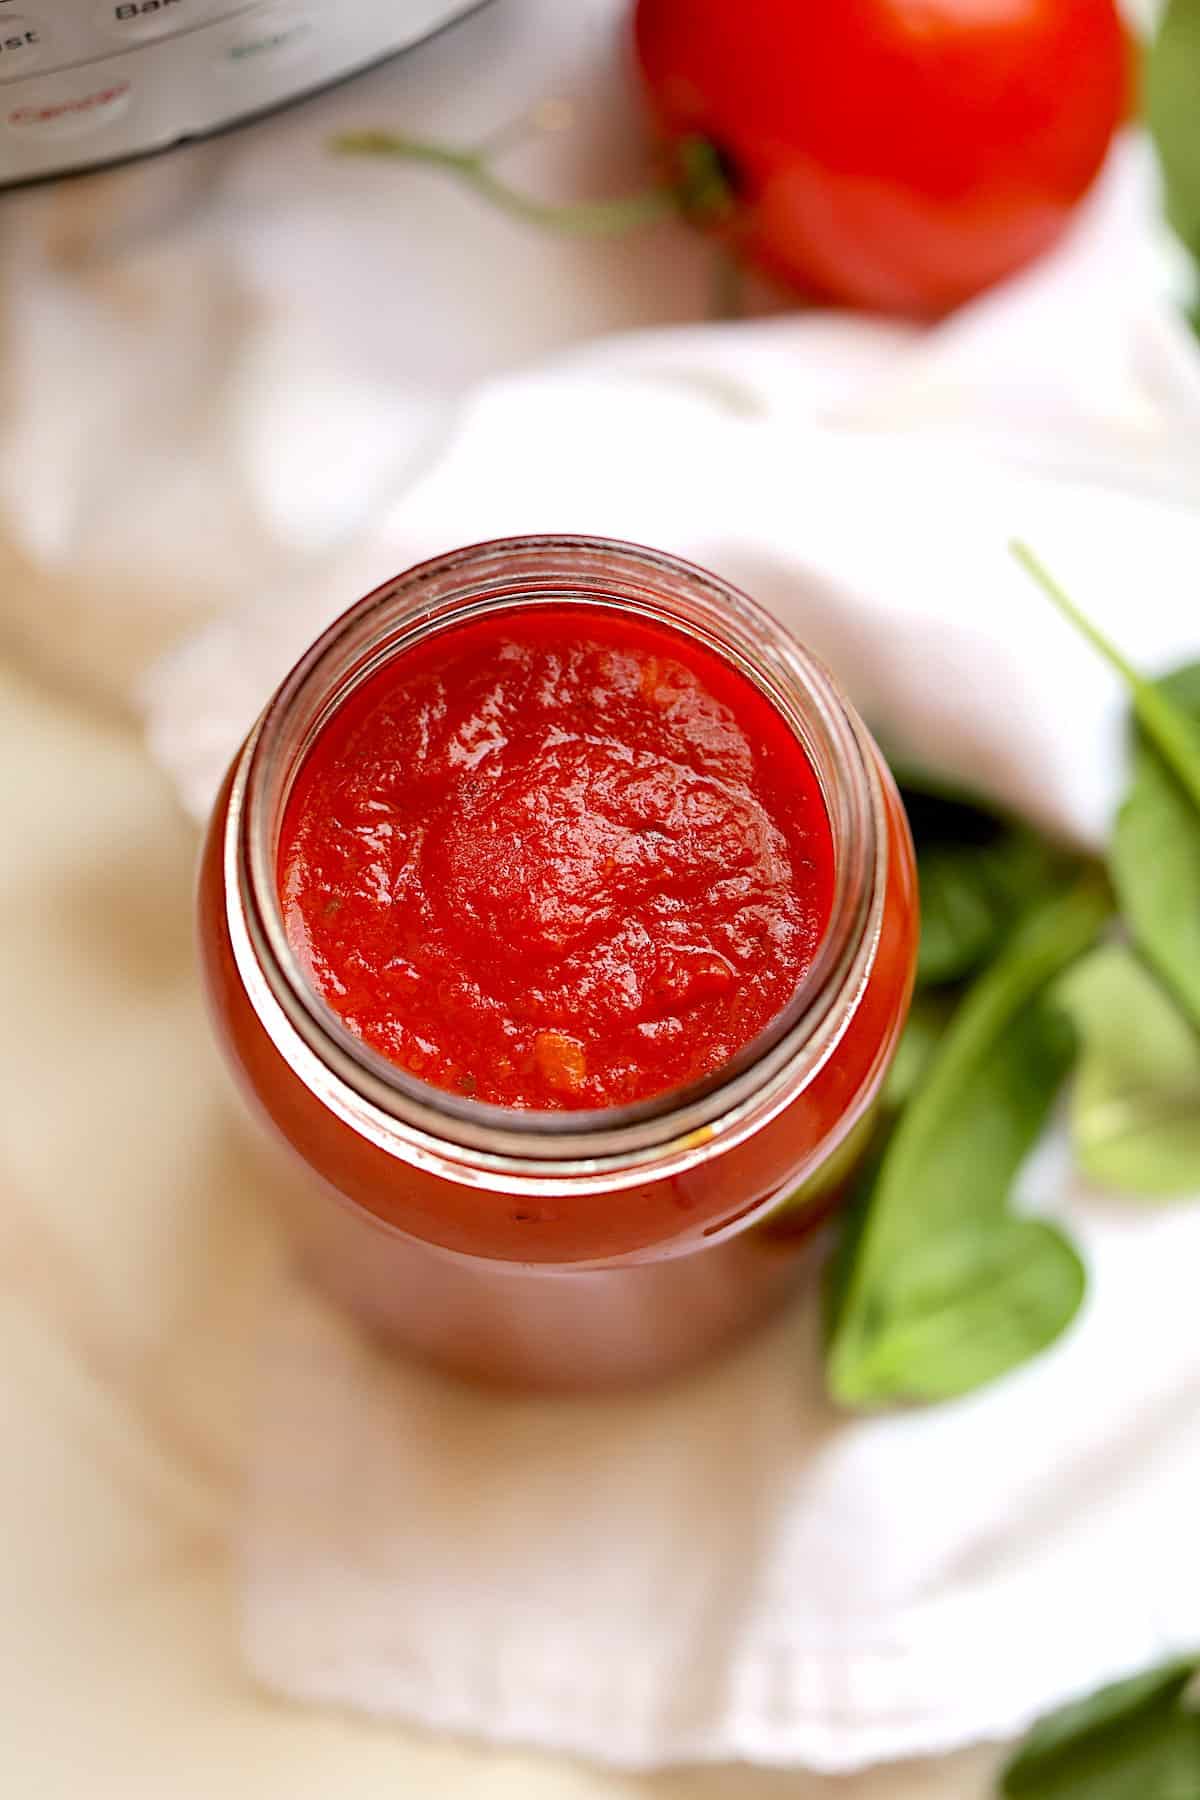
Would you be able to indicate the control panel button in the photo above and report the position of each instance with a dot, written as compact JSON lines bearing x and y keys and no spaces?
{"x":72,"y":112}
{"x":22,"y":45}
{"x":265,"y":37}
{"x":139,"y":21}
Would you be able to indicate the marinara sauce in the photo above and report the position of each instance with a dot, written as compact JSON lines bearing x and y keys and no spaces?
{"x":560,"y":914}
{"x":557,"y":858}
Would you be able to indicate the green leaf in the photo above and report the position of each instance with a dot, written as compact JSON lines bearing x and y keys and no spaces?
{"x":970,"y":900}
{"x":1138,"y":1739}
{"x":924,"y":1029}
{"x":945,"y":1180}
{"x":965,"y":1306}
{"x":928,"y":1018}
{"x":1172,"y":100}
{"x":978,"y":871}
{"x":1135,"y":1109}
{"x":1155,"y":854}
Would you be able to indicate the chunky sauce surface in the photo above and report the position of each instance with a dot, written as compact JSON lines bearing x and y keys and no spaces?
{"x":556,"y":858}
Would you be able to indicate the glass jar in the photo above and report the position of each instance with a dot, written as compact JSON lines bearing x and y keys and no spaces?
{"x":581,"y":1248}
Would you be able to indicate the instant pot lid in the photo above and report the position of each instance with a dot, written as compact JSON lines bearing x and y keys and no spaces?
{"x":85,"y":83}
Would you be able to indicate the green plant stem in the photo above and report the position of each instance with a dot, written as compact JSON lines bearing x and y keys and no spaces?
{"x":728,"y":287}
{"x":591,"y":218}
{"x":1057,"y":932}
{"x":1173,"y":734}
{"x":907,"y":1202}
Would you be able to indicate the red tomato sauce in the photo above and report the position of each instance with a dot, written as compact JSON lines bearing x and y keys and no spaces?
{"x":557,"y":859}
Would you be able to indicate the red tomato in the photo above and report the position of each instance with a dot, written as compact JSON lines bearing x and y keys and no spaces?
{"x":893,"y":154}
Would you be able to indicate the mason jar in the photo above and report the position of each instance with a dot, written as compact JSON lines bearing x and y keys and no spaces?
{"x":581,"y":1248}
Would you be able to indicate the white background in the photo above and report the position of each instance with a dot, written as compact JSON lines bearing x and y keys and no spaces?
{"x":134,"y":1245}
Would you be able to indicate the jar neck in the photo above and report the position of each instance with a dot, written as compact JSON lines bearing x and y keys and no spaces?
{"x":412,"y":1117}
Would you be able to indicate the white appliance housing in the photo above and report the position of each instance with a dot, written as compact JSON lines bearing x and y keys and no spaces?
{"x":88,"y":82}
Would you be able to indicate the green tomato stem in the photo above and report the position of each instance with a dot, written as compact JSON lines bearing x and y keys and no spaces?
{"x":728,"y":287}
{"x":592,"y":218}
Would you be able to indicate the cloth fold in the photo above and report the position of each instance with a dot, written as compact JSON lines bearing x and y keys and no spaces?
{"x":726,"y":1569}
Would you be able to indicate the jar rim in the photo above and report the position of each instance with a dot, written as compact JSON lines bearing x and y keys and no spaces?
{"x":415,"y":1117}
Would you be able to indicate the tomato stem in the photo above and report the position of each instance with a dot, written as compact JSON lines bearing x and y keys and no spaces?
{"x":596,"y":218}
{"x":727,"y":294}
{"x":705,"y":185}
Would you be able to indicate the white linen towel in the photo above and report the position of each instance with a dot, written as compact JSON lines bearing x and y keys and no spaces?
{"x":726,"y":1569}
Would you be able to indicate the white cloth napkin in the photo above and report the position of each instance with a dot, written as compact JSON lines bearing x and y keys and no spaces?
{"x":726,"y":1569}
{"x":219,"y":364}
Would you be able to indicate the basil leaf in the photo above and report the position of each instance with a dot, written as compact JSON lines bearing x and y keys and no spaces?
{"x":1172,"y":99}
{"x":966,"y":1306}
{"x":947,"y":1172}
{"x":1155,"y":856}
{"x":1135,"y":1109}
{"x":971,"y":898}
{"x":1138,"y":1739}
{"x":928,"y":1017}
{"x":977,"y":870}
